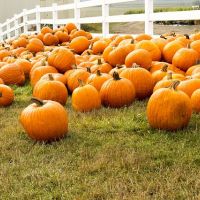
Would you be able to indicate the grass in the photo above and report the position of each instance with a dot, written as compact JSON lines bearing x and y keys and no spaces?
{"x":109,"y":154}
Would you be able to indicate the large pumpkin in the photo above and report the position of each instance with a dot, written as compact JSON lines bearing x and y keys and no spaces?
{"x":12,"y":74}
{"x":62,"y":59}
{"x":85,"y":98}
{"x":169,"y":109}
{"x":117,"y":92}
{"x":6,"y":95}
{"x":45,"y":120}
{"x":195,"y":99}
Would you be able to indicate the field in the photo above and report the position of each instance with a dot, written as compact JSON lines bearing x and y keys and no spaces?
{"x":108,"y":154}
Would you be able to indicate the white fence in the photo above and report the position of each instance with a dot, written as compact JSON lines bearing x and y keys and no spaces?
{"x":21,"y":22}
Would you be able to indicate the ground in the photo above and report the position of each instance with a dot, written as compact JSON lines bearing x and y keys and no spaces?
{"x":109,"y":154}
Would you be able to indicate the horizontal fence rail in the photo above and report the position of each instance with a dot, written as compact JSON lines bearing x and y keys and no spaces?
{"x":21,"y":23}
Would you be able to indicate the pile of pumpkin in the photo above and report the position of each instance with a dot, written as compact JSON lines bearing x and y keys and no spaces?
{"x":112,"y":72}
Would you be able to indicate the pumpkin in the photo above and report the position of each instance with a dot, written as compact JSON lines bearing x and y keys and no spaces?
{"x":181,"y":61}
{"x":195,"y":99}
{"x":160,"y":74}
{"x":195,"y":45}
{"x":62,"y":36}
{"x":141,"y":79}
{"x":35,"y":45}
{"x":98,"y":79}
{"x":45,"y":120}
{"x":189,"y":86}
{"x":62,"y":59}
{"x":85,"y":98}
{"x":25,"y":65}
{"x":56,"y":77}
{"x":170,"y":49}
{"x":117,"y":92}
{"x":12,"y":74}
{"x":119,"y":69}
{"x":79,"y":44}
{"x":51,"y":90}
{"x":70,"y":27}
{"x":102,"y":67}
{"x":4,"y":53}
{"x":46,"y":30}
{"x":143,"y":36}
{"x":6,"y":95}
{"x":38,"y":72}
{"x":99,"y":46}
{"x":160,"y":42}
{"x":169,"y":109}
{"x":152,"y":48}
{"x":74,"y":77}
{"x":1,"y":81}
{"x":137,"y":56}
{"x":50,"y":39}
{"x":115,"y":55}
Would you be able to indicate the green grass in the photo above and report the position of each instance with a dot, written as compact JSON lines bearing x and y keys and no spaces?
{"x":109,"y":154}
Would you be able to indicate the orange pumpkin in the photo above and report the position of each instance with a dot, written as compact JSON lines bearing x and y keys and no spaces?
{"x":195,"y":99}
{"x":62,"y":59}
{"x":79,"y":44}
{"x":50,"y":39}
{"x":117,"y":92}
{"x":181,"y":61}
{"x":51,"y":90}
{"x":137,"y":56}
{"x":6,"y":95}
{"x":85,"y":98}
{"x":25,"y":65}
{"x":12,"y":74}
{"x":35,"y":45}
{"x":141,"y":79}
{"x":169,"y":109}
{"x":102,"y":67}
{"x":45,"y":120}
{"x":98,"y":79}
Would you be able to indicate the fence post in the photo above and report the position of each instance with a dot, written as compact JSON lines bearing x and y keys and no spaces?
{"x":25,"y":20}
{"x":8,"y":28}
{"x":77,"y":13}
{"x":38,"y":22}
{"x":1,"y":33}
{"x":16,"y":25}
{"x":105,"y":15}
{"x":148,"y":14}
{"x":55,"y":15}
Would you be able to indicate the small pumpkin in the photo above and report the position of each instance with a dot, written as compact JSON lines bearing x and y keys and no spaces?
{"x":6,"y":95}
{"x":195,"y":99}
{"x":98,"y":79}
{"x":117,"y":92}
{"x":35,"y":45}
{"x":85,"y":98}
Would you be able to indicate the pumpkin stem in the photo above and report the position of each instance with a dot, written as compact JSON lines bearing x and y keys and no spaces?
{"x":116,"y":76}
{"x":198,"y":62}
{"x":1,"y":94}
{"x":81,"y":82}
{"x":74,"y":66}
{"x":51,"y":77}
{"x":99,"y":61}
{"x":173,"y":34}
{"x":88,"y":70}
{"x":98,"y":73}
{"x":164,"y":68}
{"x":132,"y":41}
{"x":174,"y":85}
{"x":169,"y":76}
{"x":88,"y":53}
{"x":187,"y":36}
{"x":37,"y":101}
{"x":162,"y":36}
